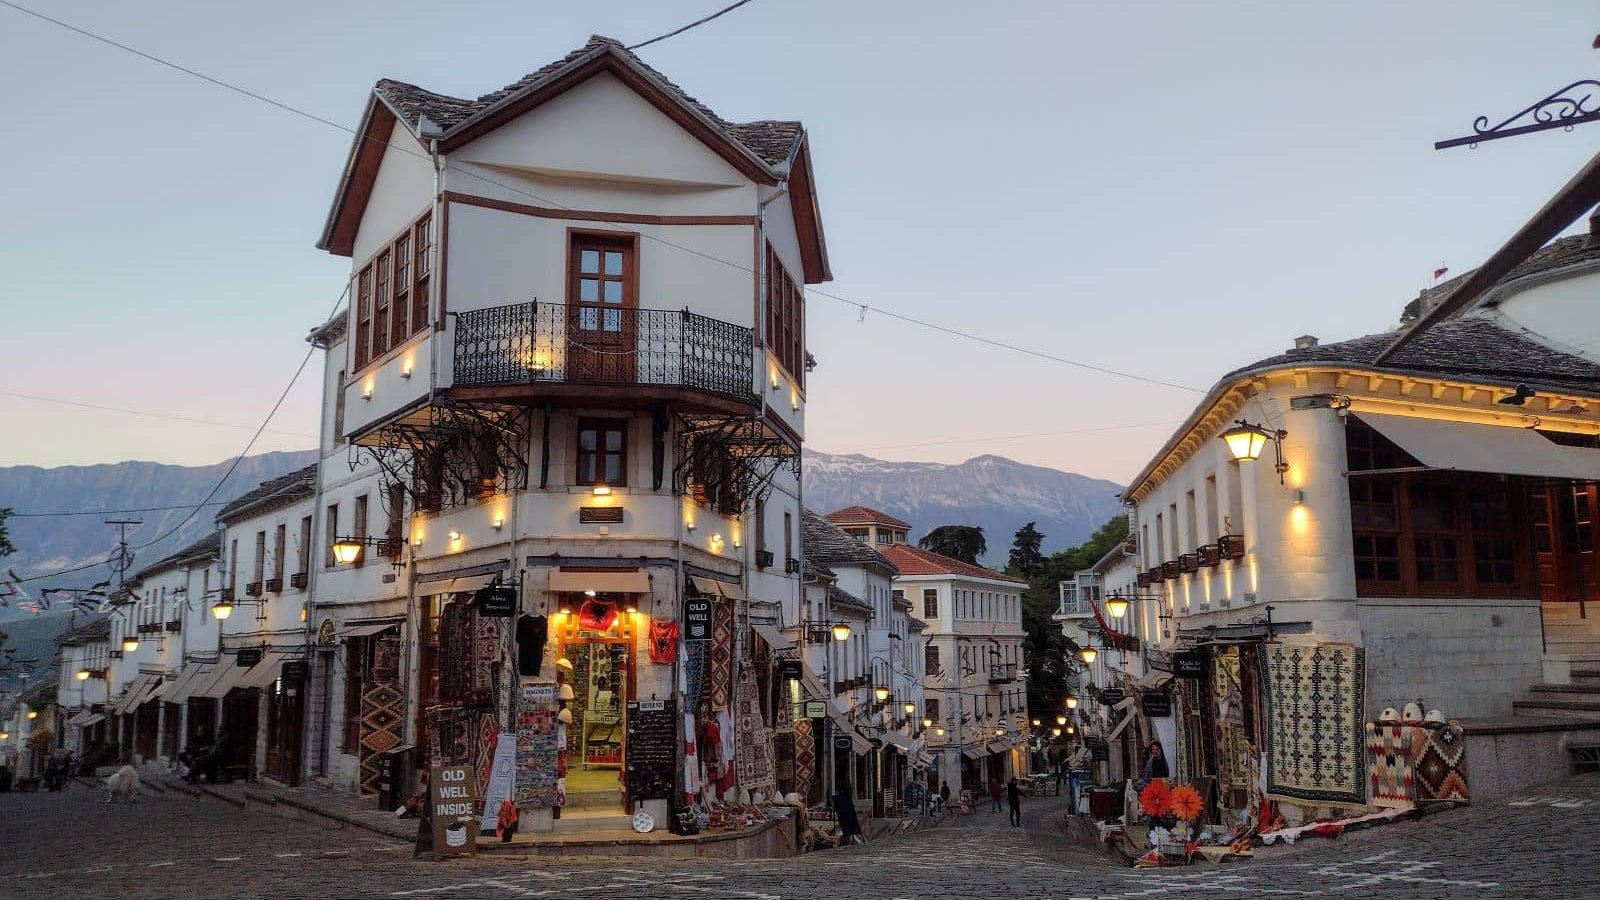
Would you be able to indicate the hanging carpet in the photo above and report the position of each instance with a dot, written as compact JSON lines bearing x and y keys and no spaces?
{"x":382,"y":723}
{"x":488,"y":638}
{"x":458,"y":634}
{"x":1315,"y":746}
{"x":720,"y":667}
{"x":1391,"y":752}
{"x":538,"y":761}
{"x":1233,"y":743}
{"x":753,"y":740}
{"x":1442,"y":764}
{"x":805,"y":758}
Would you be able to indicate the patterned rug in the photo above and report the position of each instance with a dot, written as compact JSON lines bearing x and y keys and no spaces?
{"x":1183,"y":766}
{"x":452,"y":734}
{"x":488,"y":736}
{"x":1233,"y":744}
{"x":1442,"y":764}
{"x":805,"y":758}
{"x":457,"y":635}
{"x":695,"y":654}
{"x":1391,"y":775}
{"x":753,"y":740}
{"x":487,"y":646}
{"x":720,"y":667}
{"x":537,"y":758}
{"x":1315,"y":748}
{"x":382,"y":723}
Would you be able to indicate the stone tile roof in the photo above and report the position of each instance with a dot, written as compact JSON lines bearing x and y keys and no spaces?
{"x":771,"y":141}
{"x":208,"y":547}
{"x":43,"y":691}
{"x":1557,"y":254}
{"x":864,"y":515}
{"x":1470,"y":349}
{"x":917,"y":561}
{"x":279,"y":491}
{"x":842,"y":598}
{"x":89,"y":632}
{"x":823,"y":543}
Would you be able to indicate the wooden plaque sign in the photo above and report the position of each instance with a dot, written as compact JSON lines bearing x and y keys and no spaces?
{"x":452,"y":793}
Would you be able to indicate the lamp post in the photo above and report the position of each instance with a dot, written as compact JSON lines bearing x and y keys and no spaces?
{"x":1246,"y":441}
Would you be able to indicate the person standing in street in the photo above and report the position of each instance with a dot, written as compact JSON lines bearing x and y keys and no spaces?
{"x":1014,"y":801}
{"x":994,"y":794}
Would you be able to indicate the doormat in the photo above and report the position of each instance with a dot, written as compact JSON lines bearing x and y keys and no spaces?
{"x":1391,"y":752}
{"x":753,"y":750}
{"x":1442,"y":765}
{"x":1315,"y":742}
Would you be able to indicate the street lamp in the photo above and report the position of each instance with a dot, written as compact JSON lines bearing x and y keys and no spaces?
{"x":33,"y":714}
{"x":841,"y":631}
{"x":1055,"y":732}
{"x":928,"y":723}
{"x":911,"y":708}
{"x":82,"y":674}
{"x":1117,"y":607}
{"x":1072,"y":701}
{"x":130,"y":644}
{"x":222,"y":609}
{"x":1061,"y":720}
{"x":881,"y":692}
{"x":346,"y":551}
{"x":1246,"y":441}
{"x":1088,"y":654}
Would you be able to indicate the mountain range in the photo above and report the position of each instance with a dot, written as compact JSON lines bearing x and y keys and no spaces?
{"x":997,"y":494}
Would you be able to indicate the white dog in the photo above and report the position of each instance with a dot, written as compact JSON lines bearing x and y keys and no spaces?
{"x":123,"y":783}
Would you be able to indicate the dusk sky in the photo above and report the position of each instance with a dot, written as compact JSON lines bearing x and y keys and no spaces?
{"x":1172,"y":189}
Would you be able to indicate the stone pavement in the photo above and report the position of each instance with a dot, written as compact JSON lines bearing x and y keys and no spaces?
{"x":75,"y":845}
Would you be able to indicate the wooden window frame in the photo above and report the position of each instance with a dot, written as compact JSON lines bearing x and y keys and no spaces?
{"x":359,"y":522}
{"x":392,"y":293}
{"x":400,"y":302}
{"x":930,"y":603}
{"x":600,"y":427}
{"x":363,"y":329}
{"x":1463,"y":489}
{"x":786,"y":318}
{"x":382,"y":294}
{"x":422,"y":238}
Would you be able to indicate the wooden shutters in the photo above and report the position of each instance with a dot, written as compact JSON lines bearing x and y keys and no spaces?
{"x":785,"y":317}
{"x":421,"y":272}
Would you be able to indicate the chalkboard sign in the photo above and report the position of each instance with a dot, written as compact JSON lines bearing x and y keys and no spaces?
{"x":1156,"y":704}
{"x":652,"y":749}
{"x":497,"y":601}
{"x":1189,"y":665}
{"x":697,"y":618}
{"x":1113,"y":695}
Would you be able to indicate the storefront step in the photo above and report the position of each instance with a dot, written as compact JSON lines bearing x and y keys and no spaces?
{"x":773,"y":839}
{"x":1586,"y":676}
{"x":1512,"y":754}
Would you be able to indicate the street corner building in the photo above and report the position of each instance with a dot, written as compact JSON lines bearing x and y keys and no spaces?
{"x":1353,"y":588}
{"x":555,"y":531}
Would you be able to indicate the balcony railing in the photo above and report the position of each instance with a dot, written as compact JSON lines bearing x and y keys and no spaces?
{"x":1002,"y":673}
{"x":529,"y":343}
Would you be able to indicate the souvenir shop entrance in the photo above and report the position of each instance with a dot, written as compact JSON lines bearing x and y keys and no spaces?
{"x":1217,"y":723}
{"x":598,"y":647}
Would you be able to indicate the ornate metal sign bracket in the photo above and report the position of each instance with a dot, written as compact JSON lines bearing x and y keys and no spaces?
{"x":1574,"y":104}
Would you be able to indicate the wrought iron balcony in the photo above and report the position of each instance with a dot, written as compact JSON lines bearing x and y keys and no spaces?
{"x":533,"y":343}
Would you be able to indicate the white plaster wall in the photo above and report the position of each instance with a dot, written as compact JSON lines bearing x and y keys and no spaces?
{"x":403,"y":191}
{"x":1560,"y":313}
{"x":1471,"y":658}
{"x":271,"y":612}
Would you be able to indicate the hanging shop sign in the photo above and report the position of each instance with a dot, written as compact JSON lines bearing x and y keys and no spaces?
{"x":841,"y":743}
{"x":816,"y":709}
{"x":248,"y":656}
{"x":296,"y":670}
{"x":788,"y":668}
{"x":452,"y":795}
{"x":498,"y":601}
{"x":697,"y":618}
{"x":1111,"y":696}
{"x":1189,"y":664}
{"x":1156,"y":704}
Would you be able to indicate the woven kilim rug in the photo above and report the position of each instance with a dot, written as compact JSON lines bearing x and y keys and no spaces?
{"x":382,"y":722}
{"x":1233,"y":745}
{"x":720,"y":667}
{"x":457,"y":634}
{"x":695,"y":654}
{"x":753,"y":746}
{"x":805,"y":758}
{"x":488,"y":735}
{"x":1390,"y":771}
{"x":488,"y":637}
{"x":1442,"y":764}
{"x":1315,"y":743}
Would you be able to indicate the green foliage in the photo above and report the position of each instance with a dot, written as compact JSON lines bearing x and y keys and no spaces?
{"x":6,"y":549}
{"x":1026,"y":560}
{"x":963,"y":542}
{"x":1051,"y":657}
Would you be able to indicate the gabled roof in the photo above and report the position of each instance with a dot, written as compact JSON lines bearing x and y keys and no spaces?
{"x":90,"y":632}
{"x":841,"y":599}
{"x":43,"y":691}
{"x":766,"y":150}
{"x":278,"y":492}
{"x":864,"y":515}
{"x":825,"y":545}
{"x":207,"y":548}
{"x":917,"y":561}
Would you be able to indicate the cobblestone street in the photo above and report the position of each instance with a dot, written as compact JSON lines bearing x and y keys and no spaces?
{"x":74,"y":845}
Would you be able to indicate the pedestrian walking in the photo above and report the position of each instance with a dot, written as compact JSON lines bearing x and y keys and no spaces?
{"x":994,"y":793}
{"x":1014,"y":801}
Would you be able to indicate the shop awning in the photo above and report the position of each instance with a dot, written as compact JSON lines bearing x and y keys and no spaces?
{"x":998,"y":747}
{"x":975,"y":752}
{"x":229,"y":674}
{"x":85,"y":718}
{"x":1153,"y":680}
{"x":615,"y":581}
{"x":264,"y":672}
{"x":367,"y":629}
{"x":193,"y":675}
{"x":714,"y":588}
{"x":154,"y":691}
{"x":858,"y":743}
{"x":457,"y":585}
{"x":774,"y":638}
{"x":1492,"y":449}
{"x":134,"y":695}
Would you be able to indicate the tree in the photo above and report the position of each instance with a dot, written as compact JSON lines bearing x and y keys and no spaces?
{"x":6,"y":549}
{"x":1050,"y":653}
{"x":1026,"y":560}
{"x":963,"y":542}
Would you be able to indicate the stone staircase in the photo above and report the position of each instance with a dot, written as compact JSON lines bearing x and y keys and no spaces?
{"x":593,"y":811}
{"x":1578,"y":699}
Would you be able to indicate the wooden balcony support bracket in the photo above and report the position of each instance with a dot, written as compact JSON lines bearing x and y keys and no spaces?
{"x":450,"y":452}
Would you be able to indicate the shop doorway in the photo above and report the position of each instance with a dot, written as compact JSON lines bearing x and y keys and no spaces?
{"x":602,"y":681}
{"x":240,"y":725}
{"x":285,"y":728}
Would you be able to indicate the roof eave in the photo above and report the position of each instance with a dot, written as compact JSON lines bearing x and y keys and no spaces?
{"x":360,"y":172}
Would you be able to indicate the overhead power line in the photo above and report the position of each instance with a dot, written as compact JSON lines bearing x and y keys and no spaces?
{"x":697,"y":22}
{"x":109,"y":512}
{"x":144,"y":412}
{"x":863,"y":307}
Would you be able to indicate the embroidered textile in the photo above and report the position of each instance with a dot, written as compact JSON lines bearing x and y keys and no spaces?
{"x":488,"y":633}
{"x":753,"y":753}
{"x":663,"y":641}
{"x":1233,"y":744}
{"x":1391,"y":754}
{"x":1315,"y":748}
{"x":694,"y":672}
{"x":488,"y":738}
{"x":805,"y":758}
{"x":537,"y":758}
{"x":1442,"y":764}
{"x":720,"y":667}
{"x":451,"y":735}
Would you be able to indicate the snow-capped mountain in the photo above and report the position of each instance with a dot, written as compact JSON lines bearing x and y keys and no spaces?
{"x":998,"y":494}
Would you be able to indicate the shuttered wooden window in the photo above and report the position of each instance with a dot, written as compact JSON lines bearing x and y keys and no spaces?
{"x":392,"y":293}
{"x":785,"y":317}
{"x":380,"y":307}
{"x":421,"y":270}
{"x":364,"y":317}
{"x":400,"y":308}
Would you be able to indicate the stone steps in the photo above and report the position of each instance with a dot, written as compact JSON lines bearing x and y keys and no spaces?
{"x":1586,"y":677}
{"x":1554,"y":705}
